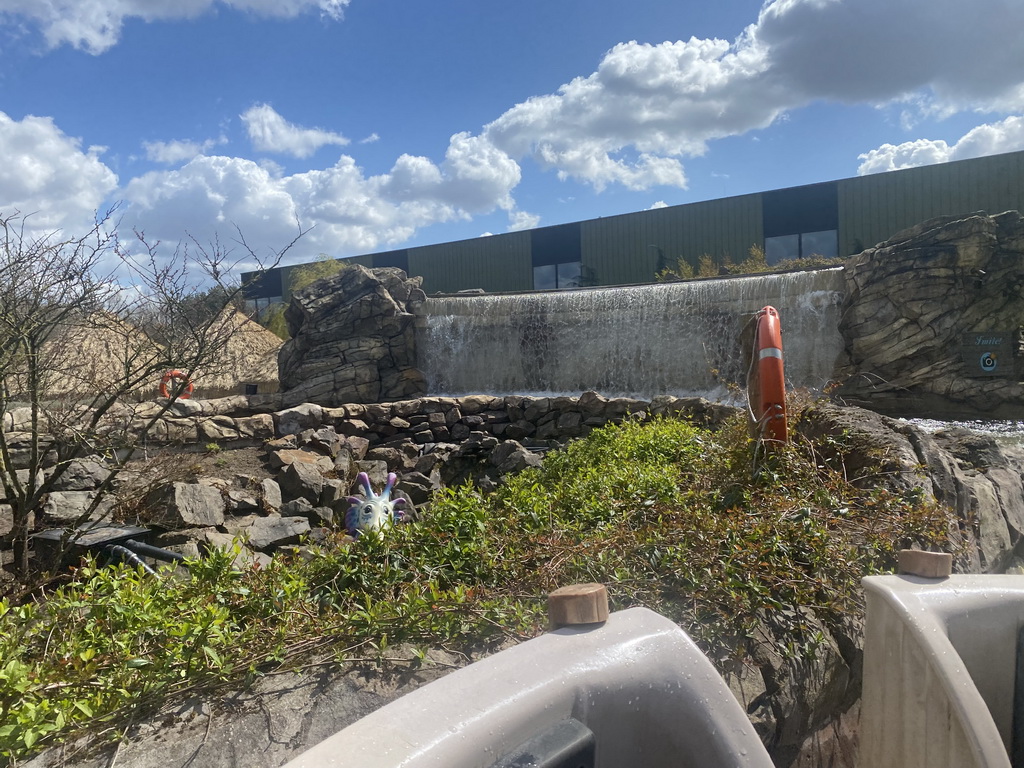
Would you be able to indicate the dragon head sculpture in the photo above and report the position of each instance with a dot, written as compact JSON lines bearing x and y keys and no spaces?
{"x":373,"y":512}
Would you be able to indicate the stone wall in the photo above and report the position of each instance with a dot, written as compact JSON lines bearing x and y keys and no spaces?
{"x":353,"y":339}
{"x":911,"y":302}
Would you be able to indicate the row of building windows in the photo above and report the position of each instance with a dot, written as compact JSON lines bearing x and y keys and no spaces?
{"x":801,"y":246}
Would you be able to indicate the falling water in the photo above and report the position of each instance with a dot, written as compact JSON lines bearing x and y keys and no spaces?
{"x":668,"y":338}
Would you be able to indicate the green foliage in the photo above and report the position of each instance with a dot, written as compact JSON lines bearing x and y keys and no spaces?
{"x":307,"y":274}
{"x":755,"y":263}
{"x":665,"y":513}
{"x":273,"y":320}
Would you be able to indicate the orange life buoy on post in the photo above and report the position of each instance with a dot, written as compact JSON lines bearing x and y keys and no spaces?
{"x":768,"y":397}
{"x":170,"y":376}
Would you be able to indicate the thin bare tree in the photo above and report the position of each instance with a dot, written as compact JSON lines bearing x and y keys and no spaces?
{"x":88,"y":326}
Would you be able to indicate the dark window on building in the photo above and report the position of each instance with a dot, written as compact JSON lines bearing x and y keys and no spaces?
{"x":801,"y":222}
{"x":398,"y":259}
{"x":801,"y":245}
{"x":550,"y":277}
{"x":555,"y":245}
{"x":555,"y":253}
{"x":545,"y":277}
{"x":261,"y":285}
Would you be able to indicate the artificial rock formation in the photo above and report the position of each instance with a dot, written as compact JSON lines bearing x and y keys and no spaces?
{"x":353,"y":339}
{"x":932,"y":320}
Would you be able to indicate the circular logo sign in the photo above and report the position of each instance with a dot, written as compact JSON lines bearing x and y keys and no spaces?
{"x":989,"y":362}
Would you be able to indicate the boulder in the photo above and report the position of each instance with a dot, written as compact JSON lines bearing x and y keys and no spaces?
{"x":81,"y":475}
{"x":185,"y":505}
{"x":270,"y":494}
{"x":353,"y":339}
{"x":302,"y":480}
{"x":269,"y":533}
{"x":292,"y":421}
{"x":71,"y":506}
{"x":931,"y":320}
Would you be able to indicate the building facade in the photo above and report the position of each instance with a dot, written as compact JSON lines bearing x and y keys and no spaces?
{"x":833,"y":218}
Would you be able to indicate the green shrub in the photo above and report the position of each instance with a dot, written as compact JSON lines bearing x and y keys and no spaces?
{"x":667,"y":514}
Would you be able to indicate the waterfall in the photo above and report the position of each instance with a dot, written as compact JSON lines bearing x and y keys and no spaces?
{"x":645,"y":340}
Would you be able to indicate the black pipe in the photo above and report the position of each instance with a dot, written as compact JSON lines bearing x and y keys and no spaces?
{"x":142,"y":548}
{"x":125,"y":555}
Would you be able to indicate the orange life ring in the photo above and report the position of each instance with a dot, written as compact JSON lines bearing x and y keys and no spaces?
{"x":168,"y":377}
{"x":768,"y":396}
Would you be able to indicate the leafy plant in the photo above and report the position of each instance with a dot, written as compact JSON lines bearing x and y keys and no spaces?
{"x":667,"y":514}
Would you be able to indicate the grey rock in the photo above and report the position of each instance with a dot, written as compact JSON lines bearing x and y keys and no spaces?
{"x":81,"y":475}
{"x":241,"y":501}
{"x":292,"y":421}
{"x":301,"y":480}
{"x":905,"y":352}
{"x":186,"y":505}
{"x":270,"y":493}
{"x":71,"y":506}
{"x":269,"y":533}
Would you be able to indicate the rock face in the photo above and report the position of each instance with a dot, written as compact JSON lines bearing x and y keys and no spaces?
{"x":353,"y":339}
{"x":923,"y":309}
{"x":975,"y":478}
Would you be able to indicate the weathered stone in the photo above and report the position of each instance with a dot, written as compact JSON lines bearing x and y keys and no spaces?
{"x":71,"y":506}
{"x":377,"y":471}
{"x":268,"y":533}
{"x":418,"y":486}
{"x":511,"y":457}
{"x":292,"y":421}
{"x":319,"y":515}
{"x":296,"y":508}
{"x":239,"y":501}
{"x":325,"y":441}
{"x":185,"y":505}
{"x":217,"y":428}
{"x":270,"y":494}
{"x":281,"y":459}
{"x":259,"y":426}
{"x":81,"y":475}
{"x":904,"y":338}
{"x":352,"y":339}
{"x":301,"y":480}
{"x":237,"y":525}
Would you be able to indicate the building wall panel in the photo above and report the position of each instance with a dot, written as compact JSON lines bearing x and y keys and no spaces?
{"x":497,"y":263}
{"x":874,"y":208}
{"x":624,"y":249}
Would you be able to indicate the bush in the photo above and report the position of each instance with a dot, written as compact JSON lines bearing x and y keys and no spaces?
{"x":667,"y":514}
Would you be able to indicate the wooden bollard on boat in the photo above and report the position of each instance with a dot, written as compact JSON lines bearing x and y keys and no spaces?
{"x":930,"y":565}
{"x":578,"y":604}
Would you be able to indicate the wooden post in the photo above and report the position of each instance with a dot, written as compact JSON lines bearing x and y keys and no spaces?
{"x":930,"y":565}
{"x":578,"y":604}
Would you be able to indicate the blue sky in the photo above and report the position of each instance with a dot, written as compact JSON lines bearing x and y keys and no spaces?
{"x":384,"y":123}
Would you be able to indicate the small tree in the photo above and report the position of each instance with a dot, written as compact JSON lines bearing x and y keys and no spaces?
{"x":88,"y":325}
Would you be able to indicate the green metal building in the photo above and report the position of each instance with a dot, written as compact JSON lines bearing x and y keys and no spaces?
{"x":833,"y":218}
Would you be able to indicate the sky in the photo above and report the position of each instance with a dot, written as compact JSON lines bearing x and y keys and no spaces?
{"x":380,"y":124}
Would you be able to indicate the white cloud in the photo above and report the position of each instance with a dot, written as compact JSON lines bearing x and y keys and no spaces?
{"x":173,"y":152}
{"x":658,"y":204}
{"x":631,"y":122}
{"x":46,"y":173}
{"x":960,"y":54}
{"x":95,"y":25}
{"x":349,"y":211}
{"x":269,"y":132}
{"x":647,"y":106}
{"x":520,"y":220}
{"x":990,"y":139}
